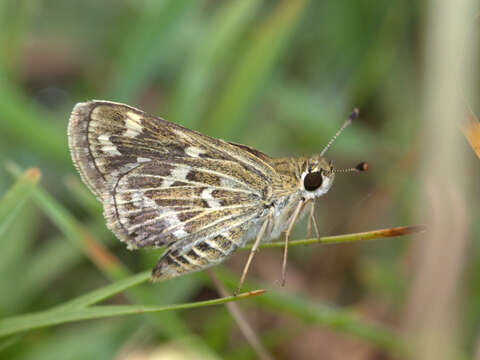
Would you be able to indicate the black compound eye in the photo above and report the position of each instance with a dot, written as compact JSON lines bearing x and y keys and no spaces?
{"x":313,"y":181}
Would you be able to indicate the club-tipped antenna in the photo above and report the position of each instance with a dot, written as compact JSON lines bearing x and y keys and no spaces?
{"x":363,"y":166}
{"x":347,"y":122}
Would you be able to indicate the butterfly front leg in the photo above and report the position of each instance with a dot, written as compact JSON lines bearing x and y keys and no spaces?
{"x":311,"y":220}
{"x":203,"y":254}
{"x":291,"y":223}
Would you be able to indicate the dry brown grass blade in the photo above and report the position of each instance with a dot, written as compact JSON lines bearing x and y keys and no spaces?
{"x":471,"y":130}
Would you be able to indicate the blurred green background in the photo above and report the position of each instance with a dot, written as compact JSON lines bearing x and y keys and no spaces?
{"x":280,"y":76}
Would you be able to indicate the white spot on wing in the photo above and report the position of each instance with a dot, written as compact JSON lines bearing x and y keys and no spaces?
{"x":211,"y":201}
{"x":180,"y":233}
{"x":228,"y":183}
{"x":111,"y":150}
{"x":179,"y":134}
{"x":178,"y":174}
{"x":107,"y":146}
{"x":142,"y":159}
{"x":132,"y":124}
{"x":194,"y":151}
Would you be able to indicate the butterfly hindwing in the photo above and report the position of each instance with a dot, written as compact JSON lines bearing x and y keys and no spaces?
{"x":157,"y":204}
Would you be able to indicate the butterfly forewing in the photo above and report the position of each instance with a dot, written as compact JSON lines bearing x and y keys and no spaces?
{"x":162,"y":184}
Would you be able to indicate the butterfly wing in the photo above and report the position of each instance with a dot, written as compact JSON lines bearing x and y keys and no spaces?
{"x":163,"y":184}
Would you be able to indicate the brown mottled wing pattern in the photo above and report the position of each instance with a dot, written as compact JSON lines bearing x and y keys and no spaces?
{"x":163,"y":184}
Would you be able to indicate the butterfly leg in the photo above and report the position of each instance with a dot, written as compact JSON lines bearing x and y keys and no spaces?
{"x":311,"y":220}
{"x":292,"y":222}
{"x":252,"y":254}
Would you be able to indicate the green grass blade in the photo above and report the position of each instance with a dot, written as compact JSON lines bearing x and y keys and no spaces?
{"x":254,"y":67}
{"x":144,"y":47}
{"x":349,"y":238}
{"x":105,"y":292}
{"x":18,"y":324}
{"x":195,"y":86}
{"x":15,"y":198}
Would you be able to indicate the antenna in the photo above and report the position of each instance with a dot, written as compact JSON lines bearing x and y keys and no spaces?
{"x":363,"y":166}
{"x":347,"y":122}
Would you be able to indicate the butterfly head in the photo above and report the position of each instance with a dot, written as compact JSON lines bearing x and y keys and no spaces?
{"x":317,"y":178}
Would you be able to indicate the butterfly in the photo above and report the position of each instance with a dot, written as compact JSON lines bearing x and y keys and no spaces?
{"x":163,"y":185}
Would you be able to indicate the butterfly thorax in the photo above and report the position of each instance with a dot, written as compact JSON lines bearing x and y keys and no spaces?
{"x":296,"y":181}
